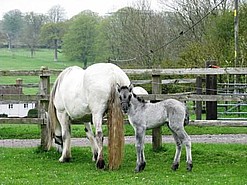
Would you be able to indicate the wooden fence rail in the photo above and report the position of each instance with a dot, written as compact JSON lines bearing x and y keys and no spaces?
{"x":156,"y":81}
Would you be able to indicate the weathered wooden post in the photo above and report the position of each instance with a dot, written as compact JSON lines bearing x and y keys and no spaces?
{"x":156,"y":132}
{"x":44,"y":91}
{"x":198,"y":103}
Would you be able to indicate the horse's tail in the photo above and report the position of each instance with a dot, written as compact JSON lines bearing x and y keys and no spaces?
{"x":52,"y":117}
{"x":187,"y":117}
{"x":116,"y":131}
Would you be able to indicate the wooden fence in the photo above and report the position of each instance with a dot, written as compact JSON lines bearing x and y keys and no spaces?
{"x":156,"y":81}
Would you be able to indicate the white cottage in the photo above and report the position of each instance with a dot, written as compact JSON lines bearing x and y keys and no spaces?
{"x":14,"y":109}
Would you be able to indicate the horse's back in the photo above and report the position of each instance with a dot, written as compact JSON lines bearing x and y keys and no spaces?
{"x":99,"y":79}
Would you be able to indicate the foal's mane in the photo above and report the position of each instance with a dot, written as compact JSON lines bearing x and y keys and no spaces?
{"x":140,"y":99}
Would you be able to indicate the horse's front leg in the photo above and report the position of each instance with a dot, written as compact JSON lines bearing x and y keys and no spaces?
{"x":97,"y":120}
{"x":140,"y":137}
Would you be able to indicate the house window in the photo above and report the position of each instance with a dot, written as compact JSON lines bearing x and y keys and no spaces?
{"x":25,"y":105}
{"x":11,"y":106}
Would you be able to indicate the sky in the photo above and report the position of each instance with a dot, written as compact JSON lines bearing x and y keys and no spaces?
{"x":72,"y":7}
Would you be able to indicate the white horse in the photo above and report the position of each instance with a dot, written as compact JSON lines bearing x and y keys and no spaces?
{"x":144,"y":115}
{"x":77,"y":92}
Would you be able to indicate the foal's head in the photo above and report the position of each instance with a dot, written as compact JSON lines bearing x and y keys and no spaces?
{"x":125,"y":94}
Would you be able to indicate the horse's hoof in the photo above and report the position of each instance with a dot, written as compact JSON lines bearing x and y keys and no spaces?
{"x":189,"y":167}
{"x":140,"y":167}
{"x":175,"y":166}
{"x":63,"y":160}
{"x":100,"y":164}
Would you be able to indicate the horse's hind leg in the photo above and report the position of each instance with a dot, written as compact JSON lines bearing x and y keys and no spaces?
{"x":91,"y":138}
{"x":97,"y":121}
{"x":66,"y":136}
{"x":58,"y":138}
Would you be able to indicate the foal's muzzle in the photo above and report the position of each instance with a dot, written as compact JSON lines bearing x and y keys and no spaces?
{"x":125,"y":107}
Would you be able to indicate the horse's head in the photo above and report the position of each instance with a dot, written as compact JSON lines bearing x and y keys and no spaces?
{"x":125,"y":94}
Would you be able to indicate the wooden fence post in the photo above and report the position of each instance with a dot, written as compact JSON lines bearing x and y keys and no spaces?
{"x":211,"y":89}
{"x":198,"y":103}
{"x":44,"y":90}
{"x":156,"y":132}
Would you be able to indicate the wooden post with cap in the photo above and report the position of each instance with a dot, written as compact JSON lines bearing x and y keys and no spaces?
{"x":156,"y":132}
{"x":44,"y":90}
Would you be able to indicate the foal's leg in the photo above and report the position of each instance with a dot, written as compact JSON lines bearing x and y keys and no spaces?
{"x":140,"y":137}
{"x":91,"y":138}
{"x":177,"y":156}
{"x":182,"y":137}
{"x":66,"y":137}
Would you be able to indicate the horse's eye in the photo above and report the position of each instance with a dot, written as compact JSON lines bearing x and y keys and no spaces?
{"x":120,"y":97}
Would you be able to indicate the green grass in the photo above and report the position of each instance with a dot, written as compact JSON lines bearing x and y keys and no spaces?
{"x":213,"y":164}
{"x":19,"y":59}
{"x":25,"y":131}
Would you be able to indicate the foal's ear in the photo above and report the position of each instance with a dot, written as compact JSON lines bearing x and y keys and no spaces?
{"x":131,"y":87}
{"x":118,"y":88}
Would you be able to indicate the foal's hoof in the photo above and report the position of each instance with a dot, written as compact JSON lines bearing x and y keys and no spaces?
{"x":100,"y":164}
{"x":175,"y":166}
{"x":140,"y":167}
{"x":189,"y":167}
{"x":64,"y":160}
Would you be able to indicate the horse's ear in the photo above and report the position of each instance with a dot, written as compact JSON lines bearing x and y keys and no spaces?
{"x":131,"y":87}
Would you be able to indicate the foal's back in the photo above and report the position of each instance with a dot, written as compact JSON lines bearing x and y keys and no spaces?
{"x":171,"y":110}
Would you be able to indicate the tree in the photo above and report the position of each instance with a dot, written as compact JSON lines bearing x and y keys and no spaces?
{"x":32,"y":27}
{"x":12,"y":25}
{"x":53,"y":31}
{"x":52,"y":34}
{"x":138,"y":34}
{"x":79,"y":41}
{"x":56,"y":14}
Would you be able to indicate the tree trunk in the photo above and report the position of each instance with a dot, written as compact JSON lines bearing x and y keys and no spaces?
{"x":55,"y":50}
{"x":32,"y":52}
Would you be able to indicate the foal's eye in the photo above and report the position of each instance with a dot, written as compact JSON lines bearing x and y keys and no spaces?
{"x":120,"y":97}
{"x":130,"y":96}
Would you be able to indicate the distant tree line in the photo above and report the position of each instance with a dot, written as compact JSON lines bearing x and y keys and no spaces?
{"x":181,"y":36}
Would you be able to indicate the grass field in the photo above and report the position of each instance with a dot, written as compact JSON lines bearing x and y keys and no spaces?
{"x":24,"y":131}
{"x":19,"y":59}
{"x":213,"y":164}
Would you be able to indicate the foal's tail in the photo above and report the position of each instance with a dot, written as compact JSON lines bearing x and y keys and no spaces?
{"x":52,"y":117}
{"x":187,"y":117}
